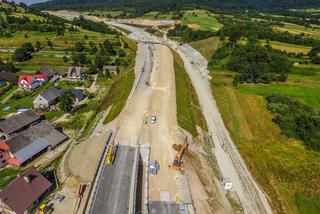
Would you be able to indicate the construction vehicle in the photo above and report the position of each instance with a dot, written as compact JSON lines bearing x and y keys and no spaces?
{"x":177,"y":163}
{"x":111,"y":153}
{"x":45,"y":209}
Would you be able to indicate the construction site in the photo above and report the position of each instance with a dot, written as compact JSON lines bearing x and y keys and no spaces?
{"x":140,"y":162}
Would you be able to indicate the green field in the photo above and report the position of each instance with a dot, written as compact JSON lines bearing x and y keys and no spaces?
{"x":189,"y":113}
{"x":157,"y":15}
{"x":299,"y":29}
{"x":121,"y":88}
{"x":207,"y":46}
{"x":200,"y":20}
{"x":282,"y":166}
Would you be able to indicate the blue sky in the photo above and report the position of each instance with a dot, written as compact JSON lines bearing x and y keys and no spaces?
{"x":28,"y":2}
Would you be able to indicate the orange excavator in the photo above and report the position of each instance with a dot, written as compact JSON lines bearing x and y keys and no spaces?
{"x":177,"y":163}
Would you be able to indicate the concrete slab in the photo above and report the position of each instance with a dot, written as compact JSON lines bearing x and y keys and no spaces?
{"x":114,"y":187}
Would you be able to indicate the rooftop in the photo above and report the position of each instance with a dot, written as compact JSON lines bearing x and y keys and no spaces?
{"x":18,"y":121}
{"x":25,"y":190}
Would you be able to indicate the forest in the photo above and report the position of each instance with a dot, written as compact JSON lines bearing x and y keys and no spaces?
{"x":296,"y":120}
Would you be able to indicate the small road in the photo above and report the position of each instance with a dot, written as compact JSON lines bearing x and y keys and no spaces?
{"x":114,"y":186}
{"x":8,"y":97}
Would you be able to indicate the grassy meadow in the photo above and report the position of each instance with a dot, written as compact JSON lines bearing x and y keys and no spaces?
{"x":299,"y":29}
{"x":287,"y":171}
{"x":189,"y":114}
{"x":206,"y":46}
{"x":200,"y":20}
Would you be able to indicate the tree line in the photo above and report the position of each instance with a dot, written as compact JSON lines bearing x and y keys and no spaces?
{"x":252,"y":62}
{"x":262,"y":30}
{"x":296,"y":120}
{"x":187,"y":34}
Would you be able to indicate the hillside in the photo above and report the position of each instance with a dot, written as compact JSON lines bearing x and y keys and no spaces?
{"x":169,"y":5}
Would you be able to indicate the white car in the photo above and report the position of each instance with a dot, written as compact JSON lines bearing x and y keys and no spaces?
{"x":153,"y":119}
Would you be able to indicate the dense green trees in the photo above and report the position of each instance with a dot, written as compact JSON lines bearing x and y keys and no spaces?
{"x":253,"y":62}
{"x":296,"y":120}
{"x":80,"y":59}
{"x":187,"y":34}
{"x":91,"y":25}
{"x":314,"y":54}
{"x":66,"y":101}
{"x":23,"y":53}
{"x":78,"y":47}
{"x":262,"y":30}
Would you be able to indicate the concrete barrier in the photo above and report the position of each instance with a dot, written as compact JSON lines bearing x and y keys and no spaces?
{"x":98,"y":174}
{"x":134,"y":180}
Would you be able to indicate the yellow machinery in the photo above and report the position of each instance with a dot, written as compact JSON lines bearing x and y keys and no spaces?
{"x":44,"y":209}
{"x":111,"y":154}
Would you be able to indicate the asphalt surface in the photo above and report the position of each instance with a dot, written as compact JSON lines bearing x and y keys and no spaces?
{"x":161,"y":207}
{"x":114,"y":186}
{"x":147,"y":68}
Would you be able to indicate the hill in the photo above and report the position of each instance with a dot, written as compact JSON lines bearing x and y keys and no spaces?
{"x":170,"y":5}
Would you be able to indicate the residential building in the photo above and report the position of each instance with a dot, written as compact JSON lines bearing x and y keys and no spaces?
{"x":4,"y":153}
{"x":77,"y":93}
{"x":18,"y":123}
{"x":75,"y":72}
{"x":25,"y":193}
{"x":31,"y":82}
{"x":47,"y":72}
{"x":47,"y":98}
{"x":113,"y":69}
{"x":32,"y":141}
{"x":51,"y":96}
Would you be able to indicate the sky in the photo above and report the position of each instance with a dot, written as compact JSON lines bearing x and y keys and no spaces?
{"x":29,"y":2}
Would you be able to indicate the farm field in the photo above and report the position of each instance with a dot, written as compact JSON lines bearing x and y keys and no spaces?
{"x":286,"y":170}
{"x":289,"y":48}
{"x":201,"y":20}
{"x":298,"y":29}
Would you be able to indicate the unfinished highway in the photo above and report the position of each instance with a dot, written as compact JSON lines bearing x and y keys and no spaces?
{"x":114,"y":185}
{"x":138,"y":108}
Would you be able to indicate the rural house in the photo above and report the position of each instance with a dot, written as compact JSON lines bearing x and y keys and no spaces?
{"x":25,"y":193}
{"x":77,"y":93}
{"x":51,"y":96}
{"x":4,"y":153}
{"x":31,"y":82}
{"x":32,"y":141}
{"x":47,"y":98}
{"x":112,"y":68}
{"x":47,"y":72}
{"x":75,"y":72}
{"x":17,"y":123}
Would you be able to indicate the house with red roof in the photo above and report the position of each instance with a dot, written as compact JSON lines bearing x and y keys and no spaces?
{"x":4,"y":153}
{"x":25,"y":193}
{"x":28,"y":82}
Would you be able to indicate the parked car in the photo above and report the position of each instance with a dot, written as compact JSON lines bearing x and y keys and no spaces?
{"x":153,"y":119}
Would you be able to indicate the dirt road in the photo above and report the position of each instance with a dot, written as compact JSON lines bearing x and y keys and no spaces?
{"x":230,"y":162}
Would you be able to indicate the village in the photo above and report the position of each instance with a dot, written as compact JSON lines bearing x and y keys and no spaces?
{"x":28,"y":137}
